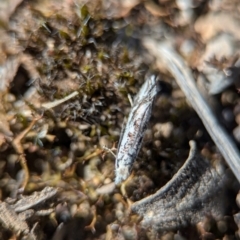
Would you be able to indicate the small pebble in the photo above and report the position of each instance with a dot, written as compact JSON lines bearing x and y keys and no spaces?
{"x":129,"y":233}
{"x":238,"y":199}
{"x":178,"y":237}
{"x":236,"y":133}
{"x":106,"y":189}
{"x":222,"y":226}
{"x":163,"y":130}
{"x":168,"y":236}
{"x":105,"y":142}
{"x":237,"y":221}
{"x":237,"y":118}
{"x":228,"y":115}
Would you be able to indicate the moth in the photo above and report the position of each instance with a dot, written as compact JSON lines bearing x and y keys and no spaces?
{"x":131,"y":138}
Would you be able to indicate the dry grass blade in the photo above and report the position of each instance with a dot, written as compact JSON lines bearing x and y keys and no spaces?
{"x":58,"y":102}
{"x":168,"y":58}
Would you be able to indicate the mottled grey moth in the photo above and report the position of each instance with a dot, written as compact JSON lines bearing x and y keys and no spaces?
{"x":131,"y":138}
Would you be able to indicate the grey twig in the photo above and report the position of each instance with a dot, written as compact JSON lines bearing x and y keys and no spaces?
{"x":169,"y":59}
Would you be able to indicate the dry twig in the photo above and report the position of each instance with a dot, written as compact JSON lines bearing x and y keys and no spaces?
{"x":168,"y":57}
{"x":19,"y":149}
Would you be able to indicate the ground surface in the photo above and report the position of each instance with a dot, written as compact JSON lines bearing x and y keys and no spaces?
{"x":49,"y":51}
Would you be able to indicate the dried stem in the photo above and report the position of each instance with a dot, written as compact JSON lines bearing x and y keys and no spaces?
{"x":91,"y":226}
{"x":169,"y":59}
{"x":50,"y":105}
{"x":19,"y":149}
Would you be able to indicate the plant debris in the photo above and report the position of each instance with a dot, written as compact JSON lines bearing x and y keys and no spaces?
{"x":194,"y":192}
{"x":9,"y":213}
